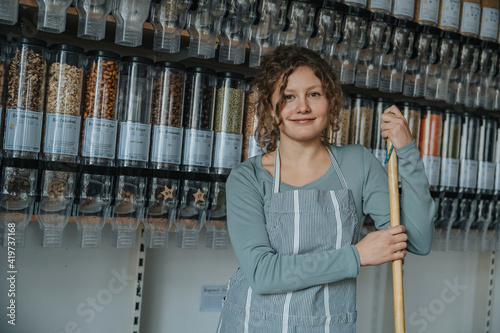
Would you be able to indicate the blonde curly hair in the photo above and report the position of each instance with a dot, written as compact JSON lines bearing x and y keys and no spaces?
{"x":273,"y":74}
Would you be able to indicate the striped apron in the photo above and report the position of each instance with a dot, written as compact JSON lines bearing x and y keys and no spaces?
{"x":299,"y":221}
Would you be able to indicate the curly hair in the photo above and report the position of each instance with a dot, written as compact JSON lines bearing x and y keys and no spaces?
{"x":273,"y":74}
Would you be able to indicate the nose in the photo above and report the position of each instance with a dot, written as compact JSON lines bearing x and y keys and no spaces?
{"x":303,"y":105}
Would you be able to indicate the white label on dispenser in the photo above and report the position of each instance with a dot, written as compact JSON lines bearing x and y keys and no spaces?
{"x":62,"y":133}
{"x":486,"y":175}
{"x":497,"y":178}
{"x":167,"y":144}
{"x":489,"y":23}
{"x":23,"y":130}
{"x":99,"y":138}
{"x":227,"y":150}
{"x":253,"y":147}
{"x":198,"y":147}
{"x":468,"y":174}
{"x":403,"y":8}
{"x":449,"y":172}
{"x":432,"y":164}
{"x":429,"y":10}
{"x":450,"y":13}
{"x":381,"y":4}
{"x":134,"y":141}
{"x":470,"y":18}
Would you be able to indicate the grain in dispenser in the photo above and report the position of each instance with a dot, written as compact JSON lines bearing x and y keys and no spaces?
{"x":360,"y":125}
{"x":339,"y":134}
{"x":430,"y":143}
{"x":250,"y":121}
{"x":378,"y":144}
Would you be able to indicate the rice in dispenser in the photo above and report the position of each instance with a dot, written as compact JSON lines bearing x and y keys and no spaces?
{"x":424,"y":56}
{"x":198,"y":122}
{"x":265,"y":34}
{"x":168,"y":18}
{"x":236,"y":30}
{"x":97,"y":146}
{"x":439,"y":72}
{"x":203,"y":25}
{"x":61,"y":136}
{"x":166,"y":149}
{"x":394,"y":61}
{"x":300,"y":24}
{"x":52,"y":15}
{"x":328,"y":24}
{"x":92,"y":16}
{"x":134,"y":131}
{"x":346,"y":53}
{"x":377,"y":43}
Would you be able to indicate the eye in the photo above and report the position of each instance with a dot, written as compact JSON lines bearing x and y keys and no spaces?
{"x":315,"y":94}
{"x":288,"y":97}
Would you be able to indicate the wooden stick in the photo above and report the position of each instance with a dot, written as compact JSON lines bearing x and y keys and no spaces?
{"x":397,"y":265}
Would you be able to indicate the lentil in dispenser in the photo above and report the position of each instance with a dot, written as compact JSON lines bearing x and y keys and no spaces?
{"x":130,"y":16}
{"x":166,"y":149}
{"x":203,"y":25}
{"x":236,"y":30}
{"x":250,"y":121}
{"x":360,"y":125}
{"x":430,"y":143}
{"x":92,"y":16}
{"x":265,"y":34}
{"x":346,"y":53}
{"x":370,"y":57}
{"x":98,"y":145}
{"x":301,"y":24}
{"x":52,"y":15}
{"x":61,"y":136}
{"x":168,"y":18}
{"x":394,"y":62}
{"x":229,"y":103}
{"x":134,"y":124}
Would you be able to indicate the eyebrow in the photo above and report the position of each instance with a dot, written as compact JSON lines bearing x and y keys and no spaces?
{"x":316,"y":86}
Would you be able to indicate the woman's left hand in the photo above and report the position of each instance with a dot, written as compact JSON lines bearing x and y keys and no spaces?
{"x":393,"y":125}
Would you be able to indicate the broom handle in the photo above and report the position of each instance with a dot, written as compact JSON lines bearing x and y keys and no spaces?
{"x":397,"y":265}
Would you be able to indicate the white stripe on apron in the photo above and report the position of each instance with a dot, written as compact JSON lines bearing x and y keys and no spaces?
{"x":247,"y":308}
{"x":335,"y":202}
{"x":296,"y":243}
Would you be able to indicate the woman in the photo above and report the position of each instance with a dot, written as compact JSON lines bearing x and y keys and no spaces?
{"x":294,"y":213}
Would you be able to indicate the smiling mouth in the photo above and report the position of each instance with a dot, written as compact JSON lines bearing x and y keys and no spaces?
{"x":302,"y":121}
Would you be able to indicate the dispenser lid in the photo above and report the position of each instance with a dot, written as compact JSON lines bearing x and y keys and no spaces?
{"x":231,"y":75}
{"x":102,"y":53}
{"x":142,"y":60}
{"x":427,"y":29}
{"x":66,"y":47}
{"x":31,"y":41}
{"x":410,"y":105}
{"x":200,"y":69}
{"x":357,"y":11}
{"x":171,"y":64}
{"x":450,"y":35}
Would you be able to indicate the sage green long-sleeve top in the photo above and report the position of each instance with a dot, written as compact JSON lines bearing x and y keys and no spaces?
{"x":248,"y":193}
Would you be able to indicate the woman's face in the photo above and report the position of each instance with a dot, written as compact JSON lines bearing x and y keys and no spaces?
{"x":305,"y":112}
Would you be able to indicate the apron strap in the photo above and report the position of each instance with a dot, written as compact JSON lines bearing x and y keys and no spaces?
{"x":276,"y":179}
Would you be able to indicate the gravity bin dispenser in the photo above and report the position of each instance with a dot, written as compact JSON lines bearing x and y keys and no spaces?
{"x":168,"y":18}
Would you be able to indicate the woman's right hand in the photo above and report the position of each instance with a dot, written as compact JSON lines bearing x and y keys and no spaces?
{"x":382,"y":246}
